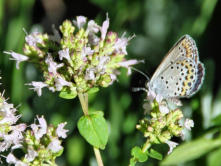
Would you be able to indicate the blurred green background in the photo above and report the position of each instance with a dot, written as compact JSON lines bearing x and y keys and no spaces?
{"x":158,"y":24}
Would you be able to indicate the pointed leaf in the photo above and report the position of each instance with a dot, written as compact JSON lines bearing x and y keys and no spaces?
{"x":156,"y":155}
{"x":94,"y":129}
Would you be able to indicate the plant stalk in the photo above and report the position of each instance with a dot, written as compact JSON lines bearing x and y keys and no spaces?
{"x":84,"y":104}
{"x":146,"y":146}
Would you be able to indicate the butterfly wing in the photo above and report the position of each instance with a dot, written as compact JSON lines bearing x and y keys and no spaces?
{"x":180,"y":74}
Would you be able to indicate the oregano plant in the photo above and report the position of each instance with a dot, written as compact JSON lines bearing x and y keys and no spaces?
{"x":79,"y":59}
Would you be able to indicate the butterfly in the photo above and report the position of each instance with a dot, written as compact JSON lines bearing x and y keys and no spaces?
{"x":181,"y":73}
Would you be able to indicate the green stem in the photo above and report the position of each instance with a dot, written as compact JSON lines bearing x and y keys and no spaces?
{"x":84,"y":104}
{"x":146,"y":146}
{"x":98,"y":157}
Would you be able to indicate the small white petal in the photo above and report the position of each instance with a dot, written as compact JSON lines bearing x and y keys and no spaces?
{"x":55,"y":145}
{"x":17,"y":57}
{"x":171,"y":145}
{"x":31,"y":155}
{"x":41,"y":129}
{"x":60,"y":82}
{"x":121,"y":44}
{"x":90,"y":74}
{"x":103,"y":60}
{"x":33,"y":39}
{"x":164,"y":109}
{"x":52,"y":66}
{"x":11,"y":159}
{"x":60,"y":131}
{"x":113,"y":78}
{"x":81,"y":20}
{"x":128,"y":64}
{"x":104,"y":28}
{"x":86,"y":51}
{"x":64,"y":54}
{"x":188,"y":124}
{"x":37,"y":86}
{"x":92,"y":27}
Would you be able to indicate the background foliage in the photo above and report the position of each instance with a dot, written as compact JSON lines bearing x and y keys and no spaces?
{"x":157,"y":25}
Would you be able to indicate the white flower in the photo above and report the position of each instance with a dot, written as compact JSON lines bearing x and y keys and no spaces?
{"x":11,"y":159}
{"x":90,"y":74}
{"x":81,"y":20}
{"x":103,"y":60}
{"x":92,"y":27}
{"x":7,"y":112}
{"x":188,"y":124}
{"x":163,"y":108}
{"x":104,"y":28}
{"x":128,"y":64}
{"x":121,"y":44}
{"x":20,"y":127}
{"x":33,"y":39}
{"x":86,"y":51}
{"x":113,"y":78}
{"x":31,"y":155}
{"x":41,"y":129}
{"x":60,"y":131}
{"x":37,"y":86}
{"x":17,"y":57}
{"x":52,"y":66}
{"x":55,"y":145}
{"x":171,"y":145}
{"x":64,"y":54}
{"x":60,"y":82}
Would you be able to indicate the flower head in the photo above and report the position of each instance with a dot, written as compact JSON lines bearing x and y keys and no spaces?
{"x":86,"y":56}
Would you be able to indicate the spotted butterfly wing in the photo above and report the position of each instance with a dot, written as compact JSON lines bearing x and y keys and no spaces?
{"x":181,"y":73}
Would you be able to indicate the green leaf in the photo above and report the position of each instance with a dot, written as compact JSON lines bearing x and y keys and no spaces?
{"x":214,"y":158}
{"x":138,"y":154}
{"x":67,"y":95}
{"x":156,"y":155}
{"x":94,"y":129}
{"x":191,"y":150}
{"x":93,"y":90}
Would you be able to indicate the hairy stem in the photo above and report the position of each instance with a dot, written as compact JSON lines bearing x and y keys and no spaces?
{"x":84,"y":104}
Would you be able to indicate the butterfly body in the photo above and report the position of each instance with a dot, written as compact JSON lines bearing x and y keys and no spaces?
{"x":181,"y":73}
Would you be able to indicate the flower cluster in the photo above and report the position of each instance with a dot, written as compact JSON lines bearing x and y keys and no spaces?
{"x":40,"y":143}
{"x":164,"y":122}
{"x":85,"y":57}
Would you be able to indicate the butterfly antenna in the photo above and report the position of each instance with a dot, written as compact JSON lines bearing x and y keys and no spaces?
{"x":148,"y":79}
